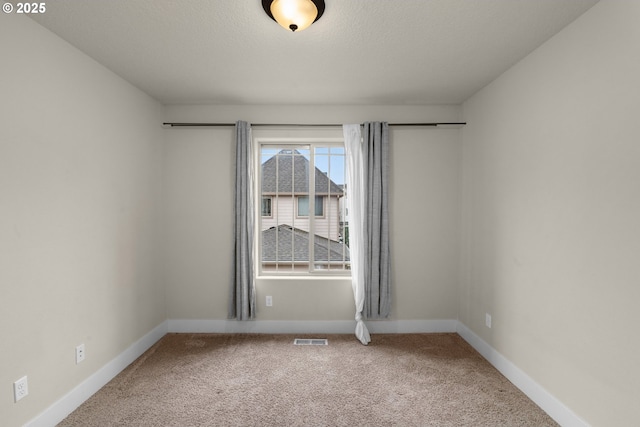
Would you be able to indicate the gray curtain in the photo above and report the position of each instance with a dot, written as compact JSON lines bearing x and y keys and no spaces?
{"x":377,"y":280}
{"x":242,"y":299}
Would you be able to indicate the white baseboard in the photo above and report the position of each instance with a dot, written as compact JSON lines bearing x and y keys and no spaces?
{"x":411,"y":326}
{"x":310,"y":326}
{"x":70,"y":401}
{"x":549,"y":403}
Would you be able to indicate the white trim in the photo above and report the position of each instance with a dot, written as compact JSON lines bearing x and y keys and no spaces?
{"x":310,"y":326}
{"x":70,"y":401}
{"x":411,"y":326}
{"x":292,"y":142}
{"x":549,"y":403}
{"x":258,"y":326}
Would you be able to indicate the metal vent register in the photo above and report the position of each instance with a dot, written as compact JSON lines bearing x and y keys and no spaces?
{"x":307,"y":341}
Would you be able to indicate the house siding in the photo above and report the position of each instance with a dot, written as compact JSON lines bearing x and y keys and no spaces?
{"x":283,"y":209}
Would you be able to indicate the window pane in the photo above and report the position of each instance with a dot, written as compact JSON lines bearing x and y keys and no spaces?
{"x":330,"y":255}
{"x":266,"y":206}
{"x":303,"y":206}
{"x":289,"y":236}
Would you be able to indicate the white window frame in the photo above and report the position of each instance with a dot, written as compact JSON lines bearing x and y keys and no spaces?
{"x":293,"y":143}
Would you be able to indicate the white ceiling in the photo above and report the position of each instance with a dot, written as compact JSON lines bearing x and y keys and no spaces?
{"x":377,"y":52}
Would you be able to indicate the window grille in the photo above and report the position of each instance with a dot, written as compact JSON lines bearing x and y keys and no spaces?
{"x":294,"y":181}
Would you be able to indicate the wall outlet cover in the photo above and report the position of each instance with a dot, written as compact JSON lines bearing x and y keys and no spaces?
{"x":80,"y":353}
{"x":487,"y":320}
{"x":20,"y":388}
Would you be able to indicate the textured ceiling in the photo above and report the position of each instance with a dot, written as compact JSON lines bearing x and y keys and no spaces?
{"x":385,"y":52}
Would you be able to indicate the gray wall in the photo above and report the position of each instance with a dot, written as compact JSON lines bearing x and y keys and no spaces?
{"x":80,"y":152}
{"x":424,"y":215}
{"x":551,"y":209}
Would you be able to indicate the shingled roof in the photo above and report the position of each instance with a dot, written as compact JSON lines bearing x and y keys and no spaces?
{"x":292,"y":166}
{"x":324,"y":249}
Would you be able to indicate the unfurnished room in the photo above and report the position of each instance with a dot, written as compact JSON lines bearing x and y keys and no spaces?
{"x":320,"y":213}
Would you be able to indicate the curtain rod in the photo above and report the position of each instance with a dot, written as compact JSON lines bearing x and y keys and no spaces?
{"x":305,"y":124}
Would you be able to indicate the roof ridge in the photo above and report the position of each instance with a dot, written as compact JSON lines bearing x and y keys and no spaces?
{"x":289,"y":170}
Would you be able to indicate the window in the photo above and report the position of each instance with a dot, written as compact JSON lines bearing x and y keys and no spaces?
{"x":303,"y":206}
{"x":266,"y":206}
{"x":294,"y":180}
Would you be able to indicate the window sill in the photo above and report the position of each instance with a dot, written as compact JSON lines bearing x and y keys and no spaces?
{"x":310,"y":277}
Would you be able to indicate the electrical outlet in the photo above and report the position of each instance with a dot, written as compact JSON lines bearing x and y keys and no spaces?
{"x":269,"y":301}
{"x":487,"y":320}
{"x":20,"y":388}
{"x":79,"y":353}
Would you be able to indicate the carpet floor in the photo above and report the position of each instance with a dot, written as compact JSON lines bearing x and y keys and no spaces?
{"x":264,"y":380}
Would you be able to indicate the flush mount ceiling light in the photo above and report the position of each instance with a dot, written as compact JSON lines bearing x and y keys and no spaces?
{"x":294,"y":15}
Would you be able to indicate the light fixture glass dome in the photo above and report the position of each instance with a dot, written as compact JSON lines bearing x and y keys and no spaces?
{"x":294,"y":15}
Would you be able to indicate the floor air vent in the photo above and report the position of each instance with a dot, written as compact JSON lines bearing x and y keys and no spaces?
{"x":307,"y":341}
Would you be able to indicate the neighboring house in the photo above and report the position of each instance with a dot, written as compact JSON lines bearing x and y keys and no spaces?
{"x":285,"y":213}
{"x":285,"y":195}
{"x":343,"y":216}
{"x":290,"y":247}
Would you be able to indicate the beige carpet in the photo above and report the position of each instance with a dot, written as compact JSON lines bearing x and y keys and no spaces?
{"x":264,"y":380}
